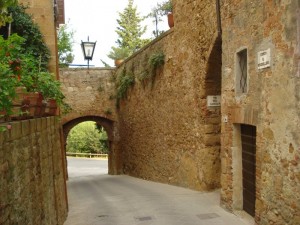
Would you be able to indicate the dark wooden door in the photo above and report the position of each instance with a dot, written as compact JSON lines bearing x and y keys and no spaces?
{"x":249,"y":167}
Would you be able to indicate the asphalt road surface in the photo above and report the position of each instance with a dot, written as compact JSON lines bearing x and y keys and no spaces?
{"x":78,"y":167}
{"x":96,"y":198}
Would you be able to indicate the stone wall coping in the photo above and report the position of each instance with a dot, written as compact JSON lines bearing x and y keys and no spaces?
{"x":165,"y":34}
{"x":24,"y":128}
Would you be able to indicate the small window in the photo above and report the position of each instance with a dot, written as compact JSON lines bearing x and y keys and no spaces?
{"x":241,"y":72}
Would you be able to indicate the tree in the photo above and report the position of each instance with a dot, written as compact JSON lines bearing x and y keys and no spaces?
{"x":86,"y":138}
{"x":64,"y":45}
{"x":157,"y":12}
{"x":4,"y":14}
{"x":156,"y":19}
{"x":130,"y":30}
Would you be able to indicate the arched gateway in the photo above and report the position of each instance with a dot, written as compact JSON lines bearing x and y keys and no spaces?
{"x":114,"y":164}
{"x":89,"y":94}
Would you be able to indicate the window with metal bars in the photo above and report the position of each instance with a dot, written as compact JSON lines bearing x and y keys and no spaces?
{"x":242,"y":72}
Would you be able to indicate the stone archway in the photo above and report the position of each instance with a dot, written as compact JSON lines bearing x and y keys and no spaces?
{"x":114,"y":162}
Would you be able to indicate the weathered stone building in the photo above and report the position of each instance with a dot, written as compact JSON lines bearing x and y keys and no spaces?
{"x":170,"y":134}
{"x":168,"y":130}
{"x":260,"y":109}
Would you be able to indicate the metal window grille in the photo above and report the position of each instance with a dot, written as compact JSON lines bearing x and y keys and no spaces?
{"x":242,"y":58}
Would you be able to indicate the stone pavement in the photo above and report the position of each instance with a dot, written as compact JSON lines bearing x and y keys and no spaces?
{"x":123,"y":200}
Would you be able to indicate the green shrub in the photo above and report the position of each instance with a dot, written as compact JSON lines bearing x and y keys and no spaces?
{"x":34,"y":44}
{"x":124,"y":82}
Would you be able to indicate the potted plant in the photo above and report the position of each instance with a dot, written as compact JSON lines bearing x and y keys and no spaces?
{"x":50,"y":89}
{"x":118,"y":54}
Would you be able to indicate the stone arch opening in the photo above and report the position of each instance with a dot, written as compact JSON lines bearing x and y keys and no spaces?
{"x":110,"y":128}
{"x":213,"y":80}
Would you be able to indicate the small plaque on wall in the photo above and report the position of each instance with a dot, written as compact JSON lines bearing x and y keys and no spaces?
{"x":264,"y":59}
{"x":213,"y":100}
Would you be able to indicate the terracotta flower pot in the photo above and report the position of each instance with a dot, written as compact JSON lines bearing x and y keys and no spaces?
{"x":118,"y":62}
{"x":51,"y":108}
{"x":35,"y":103}
{"x":170,"y":20}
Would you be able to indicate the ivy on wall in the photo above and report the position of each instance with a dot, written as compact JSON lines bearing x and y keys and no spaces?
{"x":126,"y":78}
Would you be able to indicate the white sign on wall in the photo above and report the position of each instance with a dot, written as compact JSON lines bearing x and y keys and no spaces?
{"x":264,"y":59}
{"x":213,"y":100}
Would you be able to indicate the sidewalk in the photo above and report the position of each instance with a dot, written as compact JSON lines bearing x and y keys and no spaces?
{"x":124,"y":200}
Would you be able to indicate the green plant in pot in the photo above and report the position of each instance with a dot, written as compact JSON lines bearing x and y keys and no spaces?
{"x":50,"y":89}
{"x":118,"y":54}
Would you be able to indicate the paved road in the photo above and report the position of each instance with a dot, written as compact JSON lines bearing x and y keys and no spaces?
{"x":78,"y":167}
{"x":122,"y":200}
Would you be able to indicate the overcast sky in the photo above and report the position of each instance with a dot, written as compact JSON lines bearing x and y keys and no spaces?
{"x":97,"y":19}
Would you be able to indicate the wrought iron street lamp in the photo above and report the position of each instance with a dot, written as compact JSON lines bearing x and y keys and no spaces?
{"x":88,"y":49}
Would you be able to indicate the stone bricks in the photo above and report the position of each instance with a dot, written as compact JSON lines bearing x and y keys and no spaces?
{"x":88,"y":94}
{"x":167,"y":132}
{"x":28,"y":195}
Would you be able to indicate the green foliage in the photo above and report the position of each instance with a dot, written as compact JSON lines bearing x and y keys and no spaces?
{"x":130,"y":33}
{"x":161,"y":9}
{"x":165,"y":7}
{"x":4,"y":15}
{"x":34,"y":45}
{"x":119,"y":53}
{"x":65,"y":108}
{"x":156,"y":60}
{"x":10,"y":70}
{"x":7,"y":88}
{"x":106,"y":65}
{"x":49,"y":87}
{"x":18,"y":68}
{"x":86,"y":138}
{"x":64,"y":45}
{"x":156,"y":19}
{"x":124,"y":82}
{"x":103,"y":139}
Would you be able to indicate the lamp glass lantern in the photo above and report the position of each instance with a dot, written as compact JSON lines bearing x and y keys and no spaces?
{"x":88,"y":49}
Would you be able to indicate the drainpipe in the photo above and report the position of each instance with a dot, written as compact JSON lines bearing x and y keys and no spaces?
{"x":218,"y":17}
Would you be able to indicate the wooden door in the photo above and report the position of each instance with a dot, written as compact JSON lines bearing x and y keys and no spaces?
{"x":248,"y":134}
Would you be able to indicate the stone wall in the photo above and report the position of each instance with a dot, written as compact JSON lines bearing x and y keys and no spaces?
{"x":167,"y":133}
{"x":42,"y":12}
{"x":271,"y":104}
{"x":89,"y":92}
{"x":32,"y":184}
